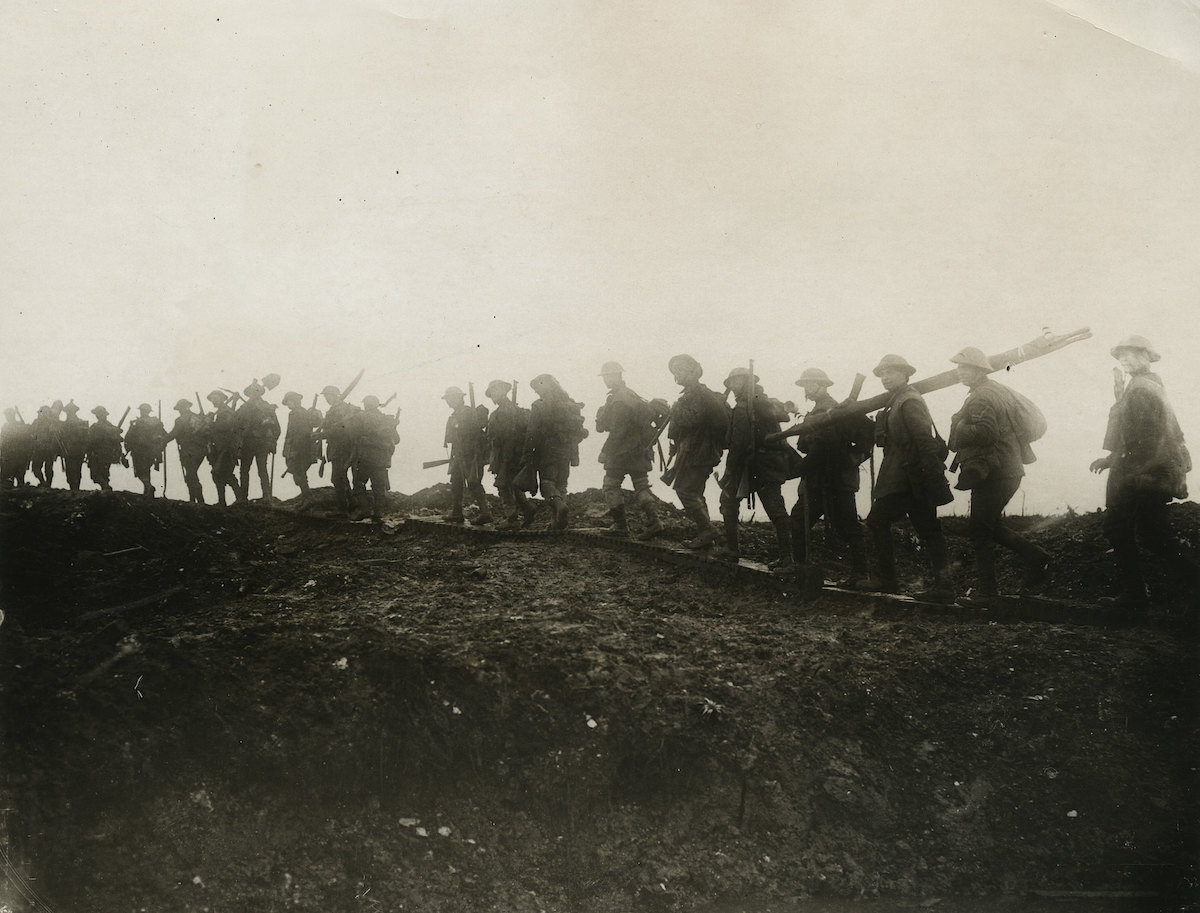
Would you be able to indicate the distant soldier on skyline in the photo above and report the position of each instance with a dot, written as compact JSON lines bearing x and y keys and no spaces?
{"x":831,"y":478}
{"x":190,"y":433}
{"x":1148,"y":463}
{"x":465,"y":436}
{"x":16,"y":446}
{"x":258,"y":427}
{"x":552,"y":445}
{"x":144,"y":442}
{"x":698,"y":431}
{"x":911,"y":483}
{"x":990,"y":461}
{"x":375,"y":440}
{"x":104,"y":448}
{"x":224,"y":445}
{"x":300,"y":446}
{"x":74,"y":431}
{"x":630,"y":422}
{"x":756,"y":466}
{"x":46,"y":445}
{"x":337,"y":432}
{"x":505,"y":432}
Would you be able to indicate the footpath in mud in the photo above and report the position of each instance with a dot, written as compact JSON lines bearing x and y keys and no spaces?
{"x":260,"y":708}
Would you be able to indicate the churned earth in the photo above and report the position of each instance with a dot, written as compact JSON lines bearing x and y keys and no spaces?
{"x":271,"y":709}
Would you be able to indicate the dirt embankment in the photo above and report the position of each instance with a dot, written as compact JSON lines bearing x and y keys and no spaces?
{"x":262,"y":709}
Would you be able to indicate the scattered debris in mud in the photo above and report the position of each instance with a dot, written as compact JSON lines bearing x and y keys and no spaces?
{"x":269,"y":708}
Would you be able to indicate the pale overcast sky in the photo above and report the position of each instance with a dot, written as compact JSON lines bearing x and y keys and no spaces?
{"x":196,"y":194}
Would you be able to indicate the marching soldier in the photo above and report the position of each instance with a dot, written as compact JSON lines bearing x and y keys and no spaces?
{"x":552,"y":444}
{"x":833,"y":455}
{"x":259,"y":428}
{"x":46,"y":438}
{"x":465,"y":436}
{"x":337,"y":432}
{"x":224,"y":445}
{"x":144,"y":443}
{"x":104,"y":448}
{"x":16,"y":449}
{"x":300,"y":446}
{"x":988,"y":455}
{"x":699,"y":424}
{"x":756,"y":466}
{"x":190,"y":433}
{"x":375,"y":440}
{"x":912,"y":482}
{"x":74,"y":445}
{"x":1148,"y":464}
{"x":630,"y":423}
{"x":505,"y":433}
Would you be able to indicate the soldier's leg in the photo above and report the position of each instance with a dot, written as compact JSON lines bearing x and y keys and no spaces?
{"x":884,"y":512}
{"x":74,"y":470}
{"x":1153,"y":529}
{"x":615,"y":501}
{"x":380,"y":485}
{"x":987,"y":504}
{"x":648,"y":503}
{"x":479,"y":495}
{"x":100,"y":474}
{"x":263,"y":459}
{"x":841,"y":512}
{"x":554,"y":490}
{"x":800,"y":523}
{"x":1120,"y":520}
{"x":338,"y":475}
{"x":689,"y":488}
{"x":933,"y":542}
{"x":458,"y":481}
{"x":771,"y":498}
{"x":729,"y":506}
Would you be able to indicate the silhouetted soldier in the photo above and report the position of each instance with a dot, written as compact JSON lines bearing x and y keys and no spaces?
{"x":46,"y":438}
{"x":755,"y":466}
{"x":300,"y":446}
{"x":190,"y":433}
{"x":699,"y":427}
{"x":375,"y":440}
{"x":104,"y":448}
{"x":16,"y":449}
{"x":337,"y":431}
{"x":911,"y":483}
{"x":465,"y":436}
{"x":506,"y":429}
{"x":74,"y":445}
{"x":259,"y":428}
{"x":224,"y":446}
{"x":833,"y":455}
{"x":144,"y":442}
{"x":629,"y":422}
{"x":552,"y":444}
{"x":1148,"y":464}
{"x":989,"y":458}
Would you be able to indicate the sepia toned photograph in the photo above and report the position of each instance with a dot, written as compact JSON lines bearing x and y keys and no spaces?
{"x":600,"y":457}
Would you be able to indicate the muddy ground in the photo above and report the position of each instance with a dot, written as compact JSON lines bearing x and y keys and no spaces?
{"x":270,"y":709}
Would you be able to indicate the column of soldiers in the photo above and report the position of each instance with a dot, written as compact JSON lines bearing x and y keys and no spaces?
{"x":533,"y":450}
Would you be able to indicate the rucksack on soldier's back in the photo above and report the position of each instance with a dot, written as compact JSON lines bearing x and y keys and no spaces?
{"x":1028,"y":422}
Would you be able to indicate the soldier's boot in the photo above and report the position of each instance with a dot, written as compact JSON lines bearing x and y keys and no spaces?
{"x":528,"y":512}
{"x":785,"y":563}
{"x":619,"y":528}
{"x":943,"y":589}
{"x":147,"y":489}
{"x":729,"y":550}
{"x":558,"y":509}
{"x":456,"y":508}
{"x":654,"y":526}
{"x":705,"y":534}
{"x":221,"y":496}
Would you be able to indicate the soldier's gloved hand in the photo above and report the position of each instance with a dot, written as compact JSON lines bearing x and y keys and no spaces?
{"x":1101,"y":464}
